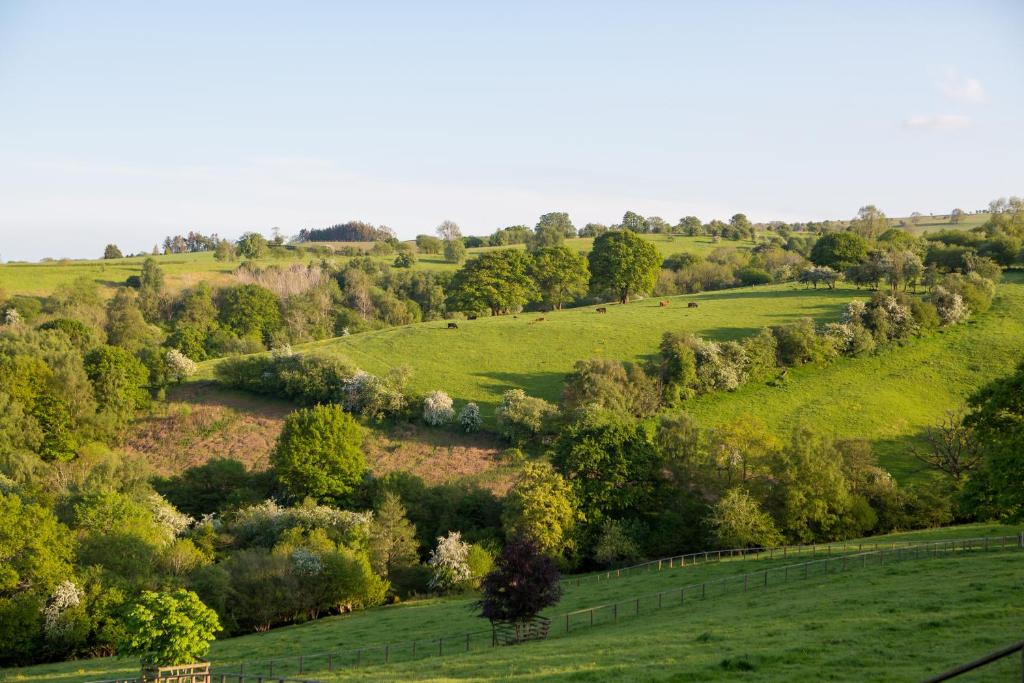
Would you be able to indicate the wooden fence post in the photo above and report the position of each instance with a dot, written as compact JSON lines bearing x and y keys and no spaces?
{"x":330,"y":662}
{"x":467,"y":642}
{"x":765,"y":577}
{"x":387,"y":653}
{"x":301,"y":661}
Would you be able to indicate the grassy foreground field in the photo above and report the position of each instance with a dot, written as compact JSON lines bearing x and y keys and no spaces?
{"x":909,"y":608}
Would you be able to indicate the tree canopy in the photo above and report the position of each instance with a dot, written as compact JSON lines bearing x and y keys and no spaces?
{"x":497,"y":281}
{"x":623,"y":263}
{"x":319,"y":453}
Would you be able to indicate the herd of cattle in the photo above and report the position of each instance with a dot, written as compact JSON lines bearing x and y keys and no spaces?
{"x":599,"y":309}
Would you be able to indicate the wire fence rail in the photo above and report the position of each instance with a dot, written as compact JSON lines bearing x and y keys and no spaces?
{"x":691,"y":594}
{"x":757,"y":553}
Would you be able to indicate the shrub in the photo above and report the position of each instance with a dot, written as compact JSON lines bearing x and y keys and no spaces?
{"x":449,"y":562}
{"x":739,"y":522}
{"x":950,"y":306}
{"x":375,"y":397}
{"x":469,"y":418}
{"x":179,"y":366}
{"x":480,"y":561}
{"x":437,"y":408}
{"x":522,"y":418}
{"x":616,"y":543}
{"x":799,"y":343}
{"x":753,"y":276}
{"x":611,"y":385}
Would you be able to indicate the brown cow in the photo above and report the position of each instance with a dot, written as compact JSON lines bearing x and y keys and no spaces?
{"x":453,"y":326}
{"x":692,"y":304}
{"x":663,"y":303}
{"x":539,"y":320}
{"x":602,"y":309}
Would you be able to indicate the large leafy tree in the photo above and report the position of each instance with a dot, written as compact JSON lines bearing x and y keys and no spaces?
{"x":870,"y":222}
{"x":997,"y":418}
{"x":551,"y":231}
{"x":624,"y":263}
{"x":541,"y":507}
{"x":839,"y":250}
{"x":561,"y":274}
{"x":118,"y":381}
{"x":252,"y":245}
{"x":523,"y":582}
{"x":251,"y":310}
{"x":319,"y":453}
{"x":613,"y":467}
{"x":498,"y":281}
{"x":164,"y":629}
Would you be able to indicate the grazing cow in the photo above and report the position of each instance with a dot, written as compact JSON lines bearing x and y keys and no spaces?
{"x":470,"y":317}
{"x":692,"y":304}
{"x":453,"y":326}
{"x":539,"y":320}
{"x":663,"y":303}
{"x":602,"y":309}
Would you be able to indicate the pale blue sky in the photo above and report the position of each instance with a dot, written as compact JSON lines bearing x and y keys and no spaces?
{"x":128,"y":121}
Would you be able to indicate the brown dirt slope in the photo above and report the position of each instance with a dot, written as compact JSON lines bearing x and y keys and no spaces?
{"x":201,"y":421}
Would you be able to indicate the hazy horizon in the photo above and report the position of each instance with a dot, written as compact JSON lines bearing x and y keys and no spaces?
{"x":126,"y":123}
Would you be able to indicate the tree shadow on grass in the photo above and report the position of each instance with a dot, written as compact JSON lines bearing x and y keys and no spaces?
{"x":546,"y":385}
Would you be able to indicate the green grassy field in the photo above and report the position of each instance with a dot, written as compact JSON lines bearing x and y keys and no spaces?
{"x":892,"y":396}
{"x":485,"y":357}
{"x":871,"y":601}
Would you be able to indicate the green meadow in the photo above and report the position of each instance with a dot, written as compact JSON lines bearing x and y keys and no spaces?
{"x":782,"y":630}
{"x":891,"y":396}
{"x":534,"y":351}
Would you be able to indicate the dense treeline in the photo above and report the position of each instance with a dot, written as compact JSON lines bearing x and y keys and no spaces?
{"x":352,"y":231}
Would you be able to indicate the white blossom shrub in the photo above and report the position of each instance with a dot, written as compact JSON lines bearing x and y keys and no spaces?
{"x":12,"y":317}
{"x":372,"y":396}
{"x":469,"y":418}
{"x":719,"y":366}
{"x":951,"y":306}
{"x":65,"y":596}
{"x":282,"y":351}
{"x":449,"y":562}
{"x":167,"y":516}
{"x":179,"y":366}
{"x":306,"y":562}
{"x":437,"y":408}
{"x":263,"y":524}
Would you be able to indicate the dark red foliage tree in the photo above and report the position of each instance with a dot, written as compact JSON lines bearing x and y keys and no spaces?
{"x":523,"y":582}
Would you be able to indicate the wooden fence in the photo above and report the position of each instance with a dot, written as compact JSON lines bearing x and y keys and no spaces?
{"x":984,"y":661}
{"x":832,"y":561}
{"x":757,"y":553}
